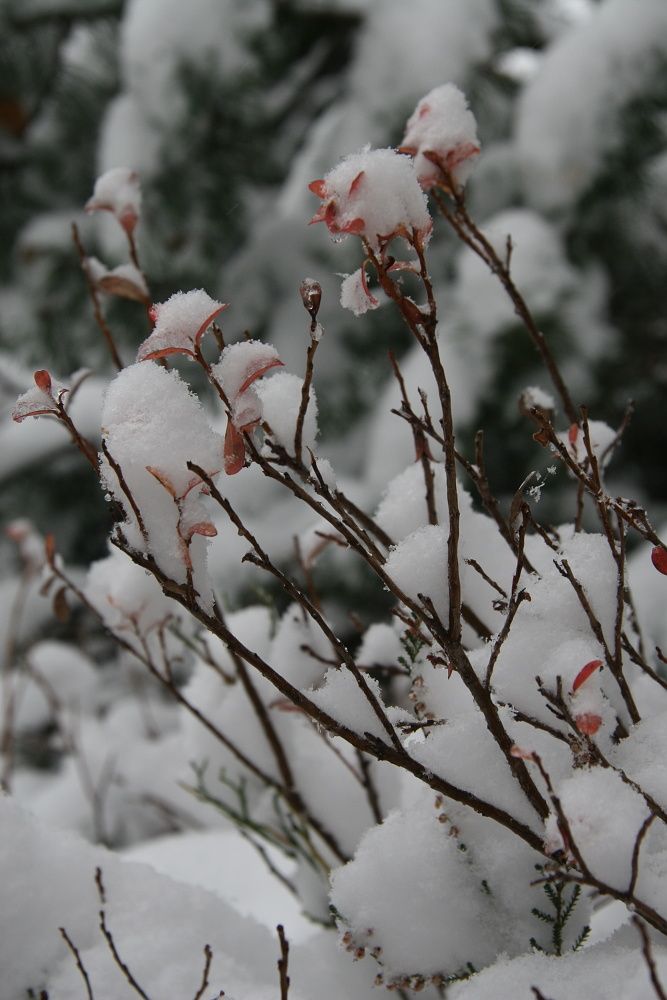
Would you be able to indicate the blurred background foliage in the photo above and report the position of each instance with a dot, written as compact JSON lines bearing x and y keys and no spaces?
{"x":229,"y":109}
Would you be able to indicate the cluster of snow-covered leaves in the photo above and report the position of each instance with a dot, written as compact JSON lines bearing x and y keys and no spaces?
{"x":437,"y":891}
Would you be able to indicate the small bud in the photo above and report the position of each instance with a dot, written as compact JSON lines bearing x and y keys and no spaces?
{"x":311,"y":296}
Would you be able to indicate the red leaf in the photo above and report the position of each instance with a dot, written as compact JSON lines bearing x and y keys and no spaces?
{"x":207,"y":322}
{"x":659,"y":559}
{"x":256,"y":373}
{"x":202,"y":528}
{"x":163,"y":352}
{"x":60,"y":605}
{"x":356,"y":183}
{"x":42,"y":380}
{"x":318,"y":187}
{"x":573,"y":434}
{"x":163,"y":479}
{"x":50,"y":549}
{"x":355,"y":227}
{"x":128,"y":219}
{"x":585,"y":673}
{"x":588,"y":723}
{"x":234,"y":450}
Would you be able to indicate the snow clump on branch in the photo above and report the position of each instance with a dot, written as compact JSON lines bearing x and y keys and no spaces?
{"x":442,"y":133}
{"x":152,"y":427}
{"x":180,"y":323}
{"x":374,"y":194}
{"x":118,"y":191}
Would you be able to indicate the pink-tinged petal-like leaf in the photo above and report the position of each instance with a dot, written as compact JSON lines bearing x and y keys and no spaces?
{"x":257,"y":372}
{"x":42,"y":380}
{"x":318,"y":187}
{"x":207,"y":322}
{"x":124,"y":288}
{"x":588,"y":723}
{"x":163,"y":352}
{"x":326,"y":213}
{"x":19,"y":417}
{"x":364,"y":285}
{"x":356,"y":183}
{"x":573,"y":434}
{"x":234,"y":450}
{"x":355,"y":227}
{"x":522,"y":754}
{"x":179,"y":323}
{"x":659,"y":559}
{"x":163,"y":479}
{"x":461,"y":153}
{"x":128,"y":220}
{"x":201,"y":528}
{"x":585,"y":673}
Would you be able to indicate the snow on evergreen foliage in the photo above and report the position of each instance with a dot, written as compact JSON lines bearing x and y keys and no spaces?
{"x":460,"y":780}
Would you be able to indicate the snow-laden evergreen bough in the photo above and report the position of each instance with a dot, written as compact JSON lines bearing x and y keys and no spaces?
{"x":464,"y":785}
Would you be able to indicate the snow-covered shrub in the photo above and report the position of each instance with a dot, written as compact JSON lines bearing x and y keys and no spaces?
{"x":473,"y":782}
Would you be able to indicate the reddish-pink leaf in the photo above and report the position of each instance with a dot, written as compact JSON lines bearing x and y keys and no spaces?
{"x":163,"y":479}
{"x":659,"y":559}
{"x":207,"y":322}
{"x":60,"y":605}
{"x":50,"y":549}
{"x":234,"y":450}
{"x":163,"y":352}
{"x":255,"y":373}
{"x":318,"y":187}
{"x":364,"y":285}
{"x":124,"y":288}
{"x":128,"y":219}
{"x":588,"y":723}
{"x":42,"y":380}
{"x":202,"y":528}
{"x":585,"y":673}
{"x":573,"y":434}
{"x":356,"y":183}
{"x":355,"y":227}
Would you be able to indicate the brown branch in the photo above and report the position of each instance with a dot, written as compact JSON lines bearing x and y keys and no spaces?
{"x":208,"y":956}
{"x":108,"y":937}
{"x":648,"y":958}
{"x":615,"y":667}
{"x":639,"y":839}
{"x":94,"y":298}
{"x":465,"y":227}
{"x":79,"y":962}
{"x":305,"y":396}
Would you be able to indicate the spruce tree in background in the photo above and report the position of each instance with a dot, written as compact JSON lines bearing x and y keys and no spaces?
{"x":229,"y":109}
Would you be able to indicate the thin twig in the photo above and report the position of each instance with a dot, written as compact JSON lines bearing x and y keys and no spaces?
{"x":108,"y":937}
{"x":94,"y":298}
{"x":208,"y":955}
{"x":283,"y":963}
{"x":79,"y":962}
{"x":647,"y":952}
